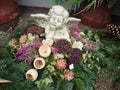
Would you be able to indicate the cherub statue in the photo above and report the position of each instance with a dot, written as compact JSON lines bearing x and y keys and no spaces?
{"x":56,"y":23}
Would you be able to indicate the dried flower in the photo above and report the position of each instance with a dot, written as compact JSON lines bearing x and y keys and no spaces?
{"x":75,"y":55}
{"x":34,"y":29}
{"x":63,"y":46}
{"x":23,"y":39}
{"x":68,"y":75}
{"x":61,"y":64}
{"x":13,"y":42}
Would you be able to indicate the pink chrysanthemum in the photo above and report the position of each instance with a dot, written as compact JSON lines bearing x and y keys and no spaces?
{"x":13,"y":42}
{"x":61,"y":64}
{"x":68,"y":75}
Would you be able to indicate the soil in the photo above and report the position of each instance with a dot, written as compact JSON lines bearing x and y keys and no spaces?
{"x":105,"y":83}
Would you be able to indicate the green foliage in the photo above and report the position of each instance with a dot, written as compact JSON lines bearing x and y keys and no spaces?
{"x":111,"y":3}
{"x":84,"y":77}
{"x":110,"y":60}
{"x":66,"y":86}
{"x":75,"y":4}
{"x":107,"y":56}
{"x":14,"y":72}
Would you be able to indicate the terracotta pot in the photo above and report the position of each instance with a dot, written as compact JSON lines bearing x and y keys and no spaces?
{"x":96,"y":18}
{"x":9,"y":10}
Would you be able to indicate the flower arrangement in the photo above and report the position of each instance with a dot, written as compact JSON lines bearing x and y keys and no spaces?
{"x":51,"y":62}
{"x":53,"y":58}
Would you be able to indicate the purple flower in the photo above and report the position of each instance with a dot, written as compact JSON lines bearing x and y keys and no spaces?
{"x":23,"y":49}
{"x":36,"y":43}
{"x":25,"y":52}
{"x":54,"y":50}
{"x":22,"y":52}
{"x":30,"y":59}
{"x":91,"y":45}
{"x":75,"y":32}
{"x":20,"y":57}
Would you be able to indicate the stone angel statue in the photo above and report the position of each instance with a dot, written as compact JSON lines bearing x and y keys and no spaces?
{"x":56,"y":23}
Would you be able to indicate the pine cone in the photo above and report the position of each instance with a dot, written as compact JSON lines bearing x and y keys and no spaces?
{"x":34,"y":29}
{"x":115,"y":29}
{"x":63,"y":46}
{"x":68,"y":75}
{"x":75,"y":55}
{"x":61,"y":64}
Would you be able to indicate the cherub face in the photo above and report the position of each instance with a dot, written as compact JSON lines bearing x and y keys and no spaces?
{"x":56,"y":20}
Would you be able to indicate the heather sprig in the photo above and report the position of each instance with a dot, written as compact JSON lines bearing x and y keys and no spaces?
{"x":75,"y":32}
{"x":23,"y":52}
{"x":91,"y":45}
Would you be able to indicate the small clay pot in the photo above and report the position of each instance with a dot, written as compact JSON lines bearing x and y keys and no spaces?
{"x":39,"y":63}
{"x":9,"y":10}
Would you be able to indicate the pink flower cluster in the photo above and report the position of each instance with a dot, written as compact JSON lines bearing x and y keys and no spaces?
{"x":27,"y":51}
{"x":88,"y":44}
{"x":75,"y":32}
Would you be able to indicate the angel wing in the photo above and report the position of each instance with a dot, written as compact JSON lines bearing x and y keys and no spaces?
{"x":71,"y":21}
{"x":42,"y":19}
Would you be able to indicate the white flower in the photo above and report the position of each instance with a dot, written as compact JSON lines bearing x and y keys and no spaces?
{"x":82,"y":34}
{"x":58,"y":55}
{"x":71,"y":66}
{"x":78,"y":45}
{"x":31,"y":37}
{"x":48,"y":41}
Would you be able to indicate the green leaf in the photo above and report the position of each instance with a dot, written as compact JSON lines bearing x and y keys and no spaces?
{"x":39,"y":83}
{"x":111,"y":3}
{"x":79,"y":84}
{"x":48,"y":81}
{"x":50,"y":68}
{"x":67,"y":86}
{"x":47,"y":87}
